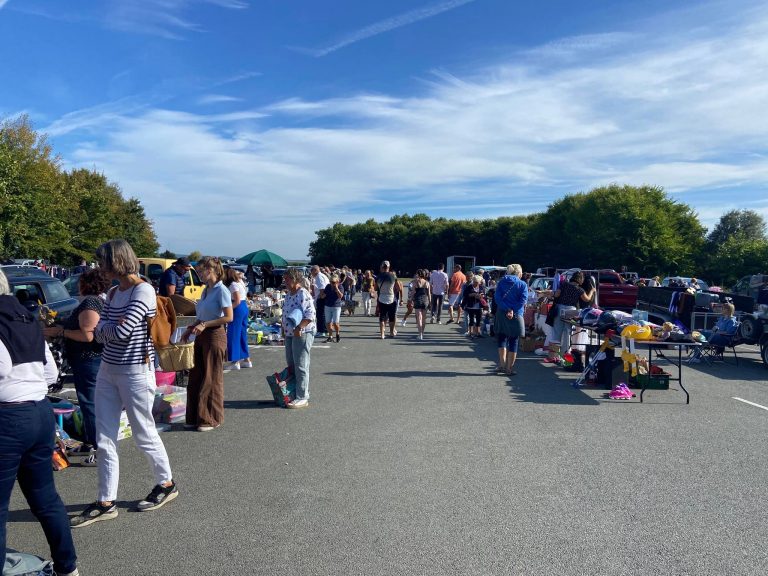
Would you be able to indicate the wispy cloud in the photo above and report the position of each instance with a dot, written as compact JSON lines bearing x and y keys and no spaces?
{"x":217,"y":99}
{"x":386,"y":25}
{"x":165,"y":18}
{"x":685,"y":111}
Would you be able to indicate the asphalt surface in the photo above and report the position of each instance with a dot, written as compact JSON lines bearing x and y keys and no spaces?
{"x":413,"y":458}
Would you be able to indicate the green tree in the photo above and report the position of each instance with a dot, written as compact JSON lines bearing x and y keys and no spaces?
{"x":46,"y":212}
{"x":613,"y":226}
{"x":745,"y":223}
{"x":167,"y":254}
{"x":195,"y":255}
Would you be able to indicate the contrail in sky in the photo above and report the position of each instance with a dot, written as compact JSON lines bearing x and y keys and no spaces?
{"x":387,"y":25}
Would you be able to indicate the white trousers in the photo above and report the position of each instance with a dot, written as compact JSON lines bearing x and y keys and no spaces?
{"x":132,"y":388}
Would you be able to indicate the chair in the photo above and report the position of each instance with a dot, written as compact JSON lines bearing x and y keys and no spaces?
{"x":714,"y":352}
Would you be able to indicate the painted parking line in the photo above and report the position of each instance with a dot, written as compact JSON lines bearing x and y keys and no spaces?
{"x":750,"y":403}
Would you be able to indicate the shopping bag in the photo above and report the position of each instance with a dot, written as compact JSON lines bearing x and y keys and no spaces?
{"x":283,"y":386}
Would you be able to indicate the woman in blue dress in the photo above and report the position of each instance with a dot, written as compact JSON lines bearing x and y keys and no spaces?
{"x":237,"y":331}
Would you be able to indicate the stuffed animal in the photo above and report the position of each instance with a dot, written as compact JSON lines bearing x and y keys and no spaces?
{"x":628,"y":355}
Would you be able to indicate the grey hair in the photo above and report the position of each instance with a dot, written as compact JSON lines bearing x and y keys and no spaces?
{"x":515,"y":270}
{"x":5,"y":288}
{"x":294,"y":274}
{"x":118,"y":258}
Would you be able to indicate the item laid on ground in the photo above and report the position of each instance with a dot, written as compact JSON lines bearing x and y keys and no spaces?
{"x":124,"y":428}
{"x":21,"y":564}
{"x":170,"y":404}
{"x":283,"y":386}
{"x":621,"y":392}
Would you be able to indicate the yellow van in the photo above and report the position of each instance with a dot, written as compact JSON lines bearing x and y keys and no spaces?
{"x":153,"y":269}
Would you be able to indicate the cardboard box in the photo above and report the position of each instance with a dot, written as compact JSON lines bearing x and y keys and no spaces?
{"x":530,"y":343}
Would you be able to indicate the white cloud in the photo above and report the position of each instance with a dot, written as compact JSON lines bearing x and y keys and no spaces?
{"x":684,"y":111}
{"x":217,"y":99}
{"x":387,"y":25}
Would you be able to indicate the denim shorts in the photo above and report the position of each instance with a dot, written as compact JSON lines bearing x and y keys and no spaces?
{"x":332,"y":314}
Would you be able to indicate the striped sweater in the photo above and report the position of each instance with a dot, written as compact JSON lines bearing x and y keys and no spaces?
{"x":123,"y":326}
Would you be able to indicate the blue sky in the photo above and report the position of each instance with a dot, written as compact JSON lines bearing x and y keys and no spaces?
{"x":245,"y":124}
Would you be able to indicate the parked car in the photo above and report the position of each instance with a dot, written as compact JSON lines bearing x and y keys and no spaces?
{"x":685,"y":280}
{"x":613,"y":292}
{"x":34,"y":287}
{"x":153,"y":269}
{"x":542,"y":283}
{"x":751,"y":285}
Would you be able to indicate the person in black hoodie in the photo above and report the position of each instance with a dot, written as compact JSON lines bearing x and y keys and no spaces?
{"x":27,"y":428}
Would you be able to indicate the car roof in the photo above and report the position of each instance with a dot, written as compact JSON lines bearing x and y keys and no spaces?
{"x":22,"y":272}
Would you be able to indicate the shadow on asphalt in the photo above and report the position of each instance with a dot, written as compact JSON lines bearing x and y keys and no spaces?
{"x":538,"y":392}
{"x":26,"y":515}
{"x":249,"y":404}
{"x":406,"y":374}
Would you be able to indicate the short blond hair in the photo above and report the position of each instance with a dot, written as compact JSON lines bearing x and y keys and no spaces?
{"x":729,"y":308}
{"x":213,"y":264}
{"x":117,"y":257}
{"x":515,"y":270}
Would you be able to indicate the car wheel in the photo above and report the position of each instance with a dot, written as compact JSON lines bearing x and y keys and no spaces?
{"x":750,"y":329}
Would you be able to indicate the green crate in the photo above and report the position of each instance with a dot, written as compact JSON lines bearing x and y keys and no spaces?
{"x":654,"y":381}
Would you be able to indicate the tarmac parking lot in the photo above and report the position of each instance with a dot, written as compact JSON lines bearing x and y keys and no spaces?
{"x":414,"y":458}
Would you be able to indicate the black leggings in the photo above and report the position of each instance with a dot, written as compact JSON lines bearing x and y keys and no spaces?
{"x":473,"y":317}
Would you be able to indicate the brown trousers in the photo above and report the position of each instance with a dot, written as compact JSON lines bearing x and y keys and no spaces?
{"x":205,"y":392}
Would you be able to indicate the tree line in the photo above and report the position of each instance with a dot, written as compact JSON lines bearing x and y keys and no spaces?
{"x":640,"y":228}
{"x":62,"y":216}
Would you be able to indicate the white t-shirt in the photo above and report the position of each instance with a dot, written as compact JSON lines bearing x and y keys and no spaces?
{"x":28,"y":381}
{"x":238,"y":288}
{"x":319,"y":283}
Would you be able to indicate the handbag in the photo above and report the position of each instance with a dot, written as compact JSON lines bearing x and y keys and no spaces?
{"x":551,"y":315}
{"x":176,"y":357}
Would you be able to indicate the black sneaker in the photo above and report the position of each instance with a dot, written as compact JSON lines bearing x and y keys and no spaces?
{"x":159,"y":496}
{"x":94,"y":513}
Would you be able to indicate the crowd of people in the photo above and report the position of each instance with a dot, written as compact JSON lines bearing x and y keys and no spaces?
{"x":108,"y":344}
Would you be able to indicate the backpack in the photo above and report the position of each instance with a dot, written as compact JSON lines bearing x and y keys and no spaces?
{"x":161,"y":327}
{"x":21,"y":564}
{"x":163,"y":324}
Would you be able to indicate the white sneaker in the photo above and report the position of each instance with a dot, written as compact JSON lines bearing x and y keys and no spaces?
{"x":403,"y":323}
{"x":234,"y":366}
{"x":295,"y":404}
{"x":247,"y":364}
{"x":421,"y":336}
{"x":439,"y":322}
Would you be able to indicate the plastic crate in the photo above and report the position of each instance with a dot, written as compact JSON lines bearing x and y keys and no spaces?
{"x":654,"y":381}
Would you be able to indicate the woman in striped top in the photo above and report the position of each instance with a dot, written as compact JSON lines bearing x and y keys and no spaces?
{"x":126,"y":379}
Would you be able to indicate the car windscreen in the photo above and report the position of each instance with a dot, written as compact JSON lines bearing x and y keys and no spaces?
{"x":55,"y":292}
